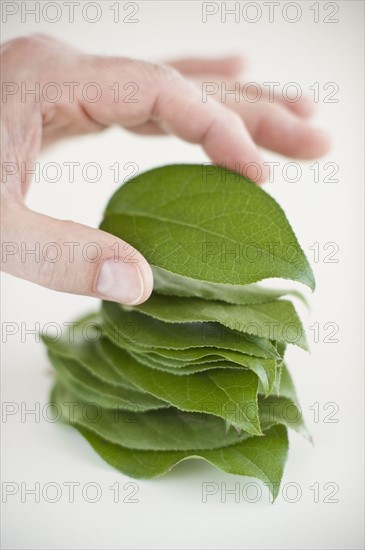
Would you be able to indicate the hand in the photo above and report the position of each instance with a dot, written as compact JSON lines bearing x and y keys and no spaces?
{"x":273,"y":121}
{"x":168,"y":101}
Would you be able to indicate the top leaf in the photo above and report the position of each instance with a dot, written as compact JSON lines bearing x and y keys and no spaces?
{"x":208,"y":224}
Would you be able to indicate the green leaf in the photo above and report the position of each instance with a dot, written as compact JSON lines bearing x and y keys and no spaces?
{"x":287,"y":388}
{"x":276,"y":320}
{"x":89,"y":356}
{"x":194,"y":355}
{"x":194,"y":225}
{"x":227,"y":393}
{"x":164,"y":429}
{"x":131,"y":329}
{"x":265,"y":369}
{"x":170,"y":284}
{"x":90,"y":388}
{"x":78,"y":341}
{"x":263,"y":458}
{"x":169,"y":429}
{"x":273,"y":410}
{"x":141,"y":456}
{"x":82,"y":344}
{"x":155,"y":361}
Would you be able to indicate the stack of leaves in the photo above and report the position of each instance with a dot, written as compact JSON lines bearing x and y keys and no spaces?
{"x":198,"y":370}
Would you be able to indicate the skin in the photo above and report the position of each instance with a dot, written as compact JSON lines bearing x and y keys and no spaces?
{"x":169,"y":102}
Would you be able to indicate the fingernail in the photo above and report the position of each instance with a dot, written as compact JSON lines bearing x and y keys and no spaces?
{"x":120,"y":282}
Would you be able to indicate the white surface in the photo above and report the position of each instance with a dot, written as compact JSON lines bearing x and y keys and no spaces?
{"x":170,"y":512}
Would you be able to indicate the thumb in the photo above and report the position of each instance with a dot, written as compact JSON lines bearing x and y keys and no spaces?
{"x":70,"y":257}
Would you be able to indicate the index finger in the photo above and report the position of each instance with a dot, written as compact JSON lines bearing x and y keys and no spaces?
{"x":166,"y":98}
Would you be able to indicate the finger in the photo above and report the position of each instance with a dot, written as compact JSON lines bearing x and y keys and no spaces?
{"x":279,"y":130}
{"x":70,"y":257}
{"x":228,"y":66}
{"x":304,"y":107}
{"x":176,"y":106}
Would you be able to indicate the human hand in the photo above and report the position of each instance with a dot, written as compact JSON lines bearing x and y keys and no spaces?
{"x":274,"y":121}
{"x":167,"y":102}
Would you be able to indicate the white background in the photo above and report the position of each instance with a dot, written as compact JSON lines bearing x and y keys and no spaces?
{"x":170,"y":512}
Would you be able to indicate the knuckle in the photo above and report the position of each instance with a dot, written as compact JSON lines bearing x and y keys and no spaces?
{"x":22,"y":56}
{"x":71,"y":260}
{"x":161,"y":73}
{"x":164,"y":82}
{"x":28,"y":55}
{"x":53,"y":271}
{"x":227,"y":119}
{"x":26,"y":45}
{"x":233,"y":118}
{"x":52,"y":274}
